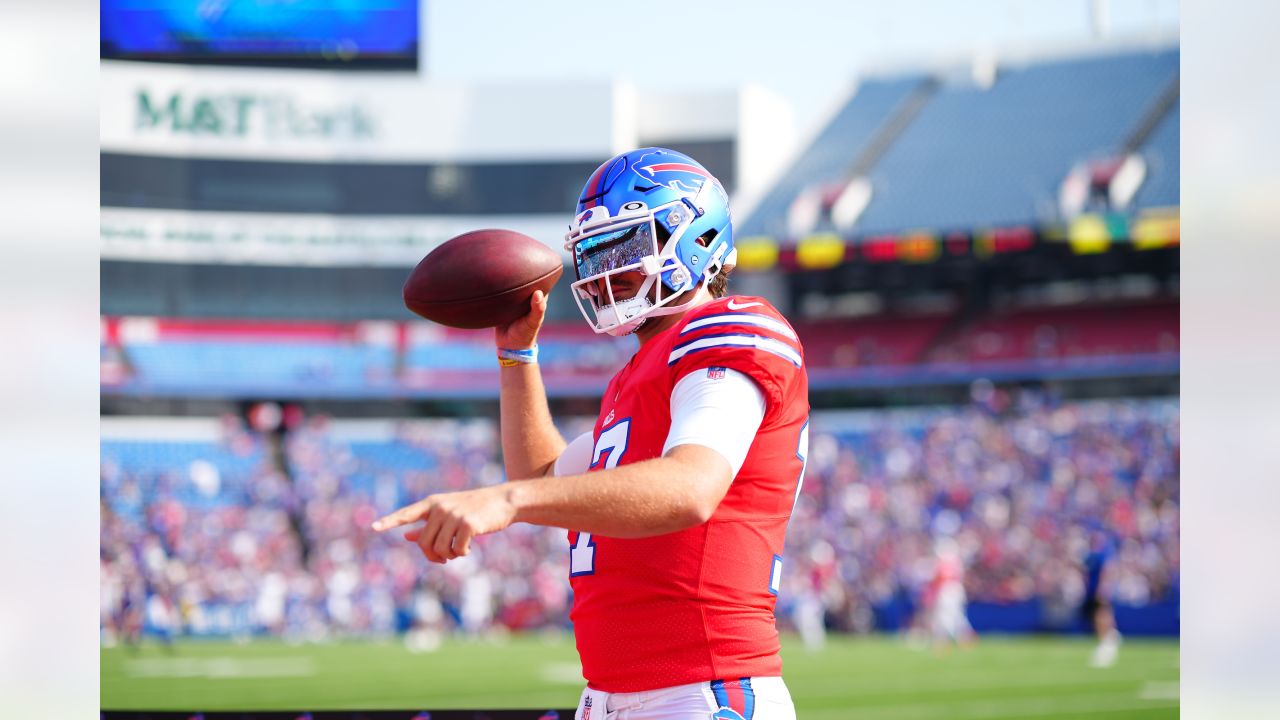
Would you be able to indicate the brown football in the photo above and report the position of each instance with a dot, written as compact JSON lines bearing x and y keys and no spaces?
{"x":481,"y":279}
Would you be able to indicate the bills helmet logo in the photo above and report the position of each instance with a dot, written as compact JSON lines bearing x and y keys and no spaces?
{"x":679,"y":176}
{"x":590,"y":215}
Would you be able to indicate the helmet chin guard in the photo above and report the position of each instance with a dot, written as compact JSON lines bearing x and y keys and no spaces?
{"x":654,"y":213}
{"x":629,"y":314}
{"x":604,"y":250}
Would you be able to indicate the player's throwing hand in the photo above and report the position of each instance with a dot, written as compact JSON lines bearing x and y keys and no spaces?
{"x":452,"y":519}
{"x":522,"y":333}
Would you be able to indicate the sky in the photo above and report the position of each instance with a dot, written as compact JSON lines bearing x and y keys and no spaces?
{"x":807,"y":51}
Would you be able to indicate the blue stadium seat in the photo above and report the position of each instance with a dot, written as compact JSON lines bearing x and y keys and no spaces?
{"x":450,"y":356}
{"x":264,"y":364}
{"x":165,"y":466}
{"x":1161,"y":153}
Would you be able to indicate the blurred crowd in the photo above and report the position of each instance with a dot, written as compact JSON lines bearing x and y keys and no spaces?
{"x":1020,"y":482}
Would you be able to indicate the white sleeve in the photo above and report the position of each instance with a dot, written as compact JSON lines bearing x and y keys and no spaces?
{"x":718,"y":408}
{"x":575,"y":459}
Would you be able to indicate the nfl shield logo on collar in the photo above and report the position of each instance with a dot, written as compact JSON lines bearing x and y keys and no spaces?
{"x":715,"y":373}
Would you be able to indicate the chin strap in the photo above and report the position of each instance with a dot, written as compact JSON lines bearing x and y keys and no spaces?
{"x":630,"y":324}
{"x":659,"y":311}
{"x":626,"y":329}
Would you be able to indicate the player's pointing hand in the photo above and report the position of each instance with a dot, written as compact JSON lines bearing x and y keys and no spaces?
{"x":452,"y":519}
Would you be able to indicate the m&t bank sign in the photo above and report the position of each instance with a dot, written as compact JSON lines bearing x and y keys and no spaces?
{"x":243,"y":115}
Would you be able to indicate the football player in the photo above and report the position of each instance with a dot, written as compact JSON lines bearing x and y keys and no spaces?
{"x":948,"y":621}
{"x":1096,"y":607}
{"x":677,"y":502}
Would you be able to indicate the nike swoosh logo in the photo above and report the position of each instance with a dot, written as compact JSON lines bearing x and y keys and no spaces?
{"x":734,"y":306}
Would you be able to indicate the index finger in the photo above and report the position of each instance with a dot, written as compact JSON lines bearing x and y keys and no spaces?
{"x":403,"y":516}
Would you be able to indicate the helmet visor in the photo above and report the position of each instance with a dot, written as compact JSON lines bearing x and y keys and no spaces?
{"x":612,"y":250}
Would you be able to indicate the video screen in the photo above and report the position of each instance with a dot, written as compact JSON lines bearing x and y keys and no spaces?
{"x":357,"y":34}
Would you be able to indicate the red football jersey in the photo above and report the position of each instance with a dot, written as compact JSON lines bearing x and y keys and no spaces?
{"x":695,"y":605}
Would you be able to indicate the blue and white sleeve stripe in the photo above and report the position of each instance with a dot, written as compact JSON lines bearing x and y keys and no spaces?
{"x":760,"y":342}
{"x":741,"y":318}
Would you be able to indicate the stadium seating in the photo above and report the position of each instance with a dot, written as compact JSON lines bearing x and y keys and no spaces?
{"x":248,"y":358}
{"x":1020,"y":138}
{"x":1162,"y":155}
{"x":971,"y":157}
{"x":864,"y":342}
{"x":829,"y":157}
{"x":196,"y":474}
{"x":1019,"y":480}
{"x":221,"y":357}
{"x":1064,"y":333}
{"x":564,"y":346}
{"x":262,"y":365}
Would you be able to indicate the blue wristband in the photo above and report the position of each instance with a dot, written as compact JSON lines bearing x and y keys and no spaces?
{"x":517,"y":357}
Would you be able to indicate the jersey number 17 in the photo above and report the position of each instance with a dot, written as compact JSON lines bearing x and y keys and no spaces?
{"x":610,"y":447}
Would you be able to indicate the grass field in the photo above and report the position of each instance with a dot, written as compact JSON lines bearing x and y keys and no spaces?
{"x":867,"y":678}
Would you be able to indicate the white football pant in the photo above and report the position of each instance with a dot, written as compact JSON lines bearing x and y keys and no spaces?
{"x":757,"y":698}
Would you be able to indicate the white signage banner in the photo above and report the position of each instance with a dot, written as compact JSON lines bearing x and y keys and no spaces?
{"x":299,"y":240}
{"x":260,"y":114}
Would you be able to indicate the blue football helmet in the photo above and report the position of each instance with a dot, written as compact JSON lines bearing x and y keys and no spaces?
{"x":653,"y":211}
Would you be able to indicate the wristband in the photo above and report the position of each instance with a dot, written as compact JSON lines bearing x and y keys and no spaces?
{"x":511,"y":358}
